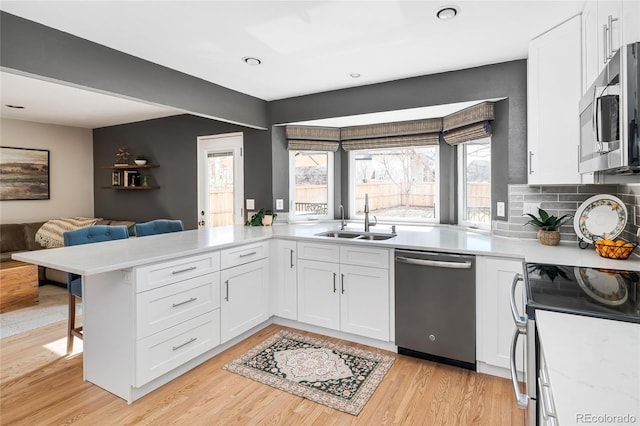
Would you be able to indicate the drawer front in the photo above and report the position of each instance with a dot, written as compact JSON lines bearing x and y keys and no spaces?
{"x":164,"y":307}
{"x":243,"y":254}
{"x":160,"y":274}
{"x":164,"y":351}
{"x":320,"y":252}
{"x":364,"y":256}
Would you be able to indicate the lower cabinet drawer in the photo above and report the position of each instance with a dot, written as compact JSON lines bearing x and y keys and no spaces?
{"x":170,"y":305}
{"x":164,"y":351}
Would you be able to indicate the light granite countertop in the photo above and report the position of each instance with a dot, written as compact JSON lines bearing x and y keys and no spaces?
{"x":593,"y":366}
{"x":121,"y":254}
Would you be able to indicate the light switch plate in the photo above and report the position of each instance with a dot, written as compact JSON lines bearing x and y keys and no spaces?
{"x":251,"y":204}
{"x":500,"y":208}
{"x":279,"y":204}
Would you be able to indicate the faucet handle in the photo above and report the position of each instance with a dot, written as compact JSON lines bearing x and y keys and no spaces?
{"x":375,"y":221}
{"x":393,"y":229}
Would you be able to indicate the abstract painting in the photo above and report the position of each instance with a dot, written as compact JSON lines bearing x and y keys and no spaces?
{"x":24,"y":174}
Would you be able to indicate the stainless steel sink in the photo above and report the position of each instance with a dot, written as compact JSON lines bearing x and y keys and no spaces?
{"x":372,"y":236}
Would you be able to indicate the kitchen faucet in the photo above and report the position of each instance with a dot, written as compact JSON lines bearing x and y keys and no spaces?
{"x":366,"y":214}
{"x":342,"y":223}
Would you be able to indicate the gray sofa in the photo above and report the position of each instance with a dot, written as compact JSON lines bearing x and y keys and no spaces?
{"x":20,"y":237}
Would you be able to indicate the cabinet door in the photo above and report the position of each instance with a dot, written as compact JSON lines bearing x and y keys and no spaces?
{"x":364,"y":301}
{"x":553,"y":93}
{"x":590,"y":39}
{"x":496,"y":325}
{"x":318,"y":293}
{"x":244,"y":301}
{"x":284,"y":290}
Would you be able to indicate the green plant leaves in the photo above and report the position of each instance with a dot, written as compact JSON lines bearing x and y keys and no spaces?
{"x":546,"y":221}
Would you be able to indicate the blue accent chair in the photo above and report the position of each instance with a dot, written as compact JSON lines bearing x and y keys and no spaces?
{"x":159,"y":226}
{"x":88,"y":235}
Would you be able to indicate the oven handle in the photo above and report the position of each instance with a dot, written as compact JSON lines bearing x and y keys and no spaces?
{"x":521,"y":321}
{"x":521,"y":399}
{"x":436,"y":263}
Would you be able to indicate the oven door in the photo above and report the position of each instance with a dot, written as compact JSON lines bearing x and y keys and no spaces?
{"x":525,"y":328}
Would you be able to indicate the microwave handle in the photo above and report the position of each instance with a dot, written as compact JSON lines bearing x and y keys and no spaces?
{"x":521,"y":399}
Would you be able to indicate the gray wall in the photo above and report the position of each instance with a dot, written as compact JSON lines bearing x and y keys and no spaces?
{"x":505,"y":80}
{"x":172,"y":143}
{"x":32,"y":48}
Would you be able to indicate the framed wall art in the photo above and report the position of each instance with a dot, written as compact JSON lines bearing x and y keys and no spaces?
{"x":24,"y":174}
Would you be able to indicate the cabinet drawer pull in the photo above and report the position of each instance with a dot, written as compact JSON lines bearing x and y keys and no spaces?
{"x":179,"y":271}
{"x":291,"y":257}
{"x":249,"y":254}
{"x":226,"y":297}
{"x":342,"y":282}
{"x":334,"y":282}
{"x":193,"y":339}
{"x":193,"y":299}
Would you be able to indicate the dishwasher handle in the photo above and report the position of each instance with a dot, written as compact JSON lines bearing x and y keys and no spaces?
{"x":436,"y":263}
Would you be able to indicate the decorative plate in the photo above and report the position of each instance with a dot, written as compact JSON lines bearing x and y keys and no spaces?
{"x":606,"y":288}
{"x":601,"y":216}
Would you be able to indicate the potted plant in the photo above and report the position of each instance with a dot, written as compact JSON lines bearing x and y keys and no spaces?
{"x":140,"y":160}
{"x":262,"y":217}
{"x":548,"y":225}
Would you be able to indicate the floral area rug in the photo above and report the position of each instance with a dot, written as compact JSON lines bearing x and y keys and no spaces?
{"x":338,"y":376}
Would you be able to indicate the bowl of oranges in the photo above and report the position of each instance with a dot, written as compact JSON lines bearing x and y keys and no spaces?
{"x":614,"y":249}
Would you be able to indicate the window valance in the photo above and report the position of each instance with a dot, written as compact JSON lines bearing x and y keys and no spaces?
{"x":391,"y":135}
{"x":312,"y":138}
{"x":467,"y":133}
{"x":310,"y":145}
{"x":469,"y":124}
{"x":392,"y":142}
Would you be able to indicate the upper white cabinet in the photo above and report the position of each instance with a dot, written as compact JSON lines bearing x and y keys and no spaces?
{"x":553,"y":93}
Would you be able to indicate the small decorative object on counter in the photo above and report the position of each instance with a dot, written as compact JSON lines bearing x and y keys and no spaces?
{"x":263,"y":217}
{"x":140,"y":160}
{"x":548,"y":235}
{"x":618,"y":249}
{"x":122,"y":157}
{"x":145,"y":180}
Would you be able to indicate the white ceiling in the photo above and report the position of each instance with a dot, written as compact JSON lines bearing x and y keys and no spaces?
{"x":305,"y":46}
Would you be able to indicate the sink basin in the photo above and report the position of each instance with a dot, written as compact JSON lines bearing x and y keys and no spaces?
{"x":356,"y":235}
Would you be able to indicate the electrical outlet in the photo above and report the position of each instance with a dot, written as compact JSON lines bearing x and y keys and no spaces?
{"x":279,"y":204}
{"x":251,"y":204}
{"x":531,"y":208}
{"x":500,"y":208}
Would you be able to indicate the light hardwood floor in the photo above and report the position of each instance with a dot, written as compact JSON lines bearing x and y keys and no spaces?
{"x":41,"y":387}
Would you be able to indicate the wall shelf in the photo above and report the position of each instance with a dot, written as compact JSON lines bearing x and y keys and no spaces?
{"x":131,"y":167}
{"x":130,"y":188}
{"x":123,"y":177}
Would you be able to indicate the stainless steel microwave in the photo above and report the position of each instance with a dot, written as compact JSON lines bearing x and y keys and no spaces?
{"x":610,"y":115}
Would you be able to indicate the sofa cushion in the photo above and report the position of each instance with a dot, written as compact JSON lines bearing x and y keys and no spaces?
{"x":12,"y":237}
{"x":30,"y":230}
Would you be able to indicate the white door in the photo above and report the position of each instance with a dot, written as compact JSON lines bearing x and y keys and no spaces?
{"x":220,"y":180}
{"x":318,"y":294}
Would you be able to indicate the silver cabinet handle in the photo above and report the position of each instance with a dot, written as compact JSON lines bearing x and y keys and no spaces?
{"x":193,"y":299}
{"x":291,"y":258}
{"x":334,"y":282}
{"x":180,"y":271}
{"x":521,"y":399}
{"x":342,"y":282}
{"x":227,"y":294}
{"x":521,"y":321}
{"x":248,"y":254}
{"x":530,"y":162}
{"x":193,"y":339}
{"x":436,"y":263}
{"x":611,"y":20}
{"x":605,"y":50}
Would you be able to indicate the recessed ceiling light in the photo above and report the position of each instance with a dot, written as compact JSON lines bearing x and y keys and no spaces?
{"x":447,"y":13}
{"x":251,"y":61}
{"x":14,"y":106}
{"x":354,"y":75}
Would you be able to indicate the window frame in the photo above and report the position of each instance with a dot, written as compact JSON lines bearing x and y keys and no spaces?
{"x":461,"y":186}
{"x":330,"y":188}
{"x":411,"y":221}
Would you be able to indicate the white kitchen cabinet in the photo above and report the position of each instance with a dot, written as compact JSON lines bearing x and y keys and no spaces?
{"x":284,"y":288}
{"x":553,"y":94}
{"x":609,"y":30}
{"x":244,"y":290}
{"x":590,"y":57}
{"x":350,"y":296}
{"x":495,"y":324}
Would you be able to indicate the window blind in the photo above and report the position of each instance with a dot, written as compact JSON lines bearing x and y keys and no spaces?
{"x":312,"y":138}
{"x":469,"y":124}
{"x":467,"y":133}
{"x":391,"y":135}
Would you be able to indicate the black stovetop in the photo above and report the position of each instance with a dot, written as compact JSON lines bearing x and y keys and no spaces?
{"x":602,"y":293}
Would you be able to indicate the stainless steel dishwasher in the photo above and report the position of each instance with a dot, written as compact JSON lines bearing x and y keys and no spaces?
{"x":436,"y":306}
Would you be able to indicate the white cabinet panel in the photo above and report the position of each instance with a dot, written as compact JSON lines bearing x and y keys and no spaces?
{"x":590,"y":66}
{"x":365,"y":256}
{"x":243,"y":254}
{"x":244,"y":301}
{"x":496,"y":324}
{"x":553,"y":93}
{"x":165,"y":273}
{"x":319,"y":251}
{"x":364,"y":301}
{"x":167,"y":306}
{"x":284,"y":289}
{"x":318,"y":293}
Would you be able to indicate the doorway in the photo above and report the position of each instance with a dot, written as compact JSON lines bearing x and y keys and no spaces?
{"x":220,"y":180}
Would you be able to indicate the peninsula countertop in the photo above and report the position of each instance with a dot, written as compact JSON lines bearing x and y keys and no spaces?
{"x":122,"y":254}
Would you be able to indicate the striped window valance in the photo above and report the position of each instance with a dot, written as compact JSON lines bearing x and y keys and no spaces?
{"x":392,"y":142}
{"x":312,"y":138}
{"x":467,"y":133}
{"x":391,"y":135}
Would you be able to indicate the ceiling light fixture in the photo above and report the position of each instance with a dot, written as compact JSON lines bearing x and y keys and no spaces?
{"x":354,"y":75}
{"x":251,"y":61}
{"x":14,"y":106}
{"x":447,"y":13}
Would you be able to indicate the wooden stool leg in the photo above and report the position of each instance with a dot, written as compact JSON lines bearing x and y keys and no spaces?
{"x":71,"y":323}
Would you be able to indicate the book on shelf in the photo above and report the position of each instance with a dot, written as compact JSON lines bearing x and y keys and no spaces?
{"x":131,"y":178}
{"x":122,"y":165}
